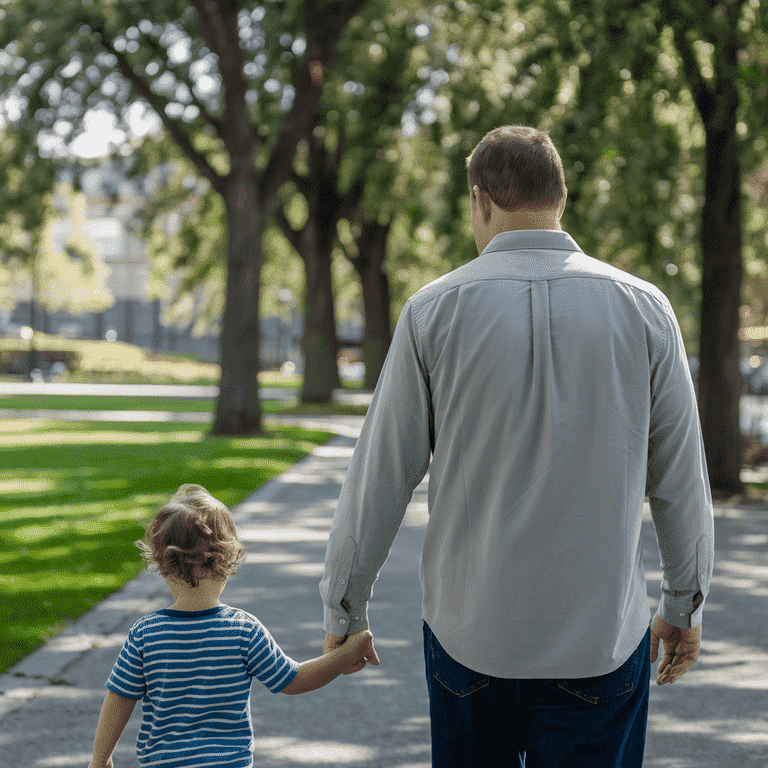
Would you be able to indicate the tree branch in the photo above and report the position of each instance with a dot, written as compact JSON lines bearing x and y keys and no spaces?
{"x":679,"y":22}
{"x":291,"y":235}
{"x":323,"y":28}
{"x":213,"y":121}
{"x":158,"y":103}
{"x":218,"y":24}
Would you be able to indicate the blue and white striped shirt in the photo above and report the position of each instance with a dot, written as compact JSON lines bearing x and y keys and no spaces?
{"x":193,"y":671}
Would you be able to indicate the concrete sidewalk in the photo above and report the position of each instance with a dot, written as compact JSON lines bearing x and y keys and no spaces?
{"x":715,"y":716}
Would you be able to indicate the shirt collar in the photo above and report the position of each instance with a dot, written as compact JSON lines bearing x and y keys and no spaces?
{"x":532,"y":239}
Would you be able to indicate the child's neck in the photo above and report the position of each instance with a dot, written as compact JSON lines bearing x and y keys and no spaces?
{"x":200,"y":598}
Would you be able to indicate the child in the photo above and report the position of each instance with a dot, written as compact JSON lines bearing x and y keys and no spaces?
{"x":192,"y":663}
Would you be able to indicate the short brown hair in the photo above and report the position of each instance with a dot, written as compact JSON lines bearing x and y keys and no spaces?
{"x":192,"y":534}
{"x":519,"y":168}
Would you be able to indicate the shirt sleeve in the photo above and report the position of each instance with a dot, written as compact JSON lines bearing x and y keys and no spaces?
{"x":390,"y":459}
{"x":678,"y":484}
{"x":127,"y":677}
{"x":267,"y":662}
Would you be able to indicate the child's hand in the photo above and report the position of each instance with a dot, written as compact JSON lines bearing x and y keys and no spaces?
{"x":358,"y":650}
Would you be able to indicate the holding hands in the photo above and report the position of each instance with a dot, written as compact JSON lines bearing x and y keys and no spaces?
{"x":358,"y":650}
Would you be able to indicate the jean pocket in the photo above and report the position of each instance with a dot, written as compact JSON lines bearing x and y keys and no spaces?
{"x":455,"y":677}
{"x":603,"y":688}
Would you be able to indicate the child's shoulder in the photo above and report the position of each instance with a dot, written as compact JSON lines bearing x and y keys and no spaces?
{"x":166,"y":620}
{"x":239,"y":616}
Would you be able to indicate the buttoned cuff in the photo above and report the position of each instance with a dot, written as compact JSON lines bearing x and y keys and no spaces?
{"x":682,"y":609}
{"x":338,"y":622}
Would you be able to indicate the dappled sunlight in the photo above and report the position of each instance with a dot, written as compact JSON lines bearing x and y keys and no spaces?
{"x":275,"y":443}
{"x":27,"y":485}
{"x":64,"y":761}
{"x":297,"y":478}
{"x":334,"y":451}
{"x":25,"y":427}
{"x":741,"y":731}
{"x":278,"y":535}
{"x":252,"y":558}
{"x":67,"y":643}
{"x":726,"y":663}
{"x":292,"y":750}
{"x":89,"y":437}
{"x":241,"y":462}
{"x":304,"y":570}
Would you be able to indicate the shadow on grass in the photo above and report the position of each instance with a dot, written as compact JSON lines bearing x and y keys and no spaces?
{"x":74,"y":497}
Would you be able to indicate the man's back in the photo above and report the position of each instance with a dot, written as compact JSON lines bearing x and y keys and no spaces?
{"x":551,"y":390}
{"x":540,"y":362}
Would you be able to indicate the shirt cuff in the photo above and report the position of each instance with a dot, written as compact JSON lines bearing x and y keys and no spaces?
{"x":339,"y":623}
{"x":682,"y":609}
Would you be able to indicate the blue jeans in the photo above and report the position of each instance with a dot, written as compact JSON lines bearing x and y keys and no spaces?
{"x":479,"y":721}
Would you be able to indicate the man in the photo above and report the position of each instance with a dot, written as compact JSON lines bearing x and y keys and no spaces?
{"x":552,"y":394}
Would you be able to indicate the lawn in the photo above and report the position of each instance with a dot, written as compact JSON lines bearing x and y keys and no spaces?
{"x":118,"y":362}
{"x":74,"y":497}
{"x":174,"y":404}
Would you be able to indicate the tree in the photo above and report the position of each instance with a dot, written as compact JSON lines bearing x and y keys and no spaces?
{"x":711,"y":47}
{"x":190,"y":64}
{"x":345,"y":174}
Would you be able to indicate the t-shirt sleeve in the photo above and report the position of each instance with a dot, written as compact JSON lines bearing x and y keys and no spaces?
{"x":266,"y":661}
{"x":127,"y":678}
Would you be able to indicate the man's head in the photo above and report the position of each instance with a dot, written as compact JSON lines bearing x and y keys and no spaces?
{"x":516,"y":181}
{"x":192,"y":536}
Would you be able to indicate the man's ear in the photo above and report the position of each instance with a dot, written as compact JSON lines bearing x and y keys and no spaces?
{"x":484,"y":202}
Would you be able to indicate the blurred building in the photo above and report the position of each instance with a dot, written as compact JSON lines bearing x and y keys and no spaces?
{"x":112,"y":202}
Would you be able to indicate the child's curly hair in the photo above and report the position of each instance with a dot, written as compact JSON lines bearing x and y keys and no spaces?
{"x":191,"y":536}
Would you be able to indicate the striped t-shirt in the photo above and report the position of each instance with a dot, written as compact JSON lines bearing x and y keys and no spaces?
{"x":193,"y":671}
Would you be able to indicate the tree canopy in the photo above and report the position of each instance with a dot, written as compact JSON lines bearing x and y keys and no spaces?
{"x":658,"y":109}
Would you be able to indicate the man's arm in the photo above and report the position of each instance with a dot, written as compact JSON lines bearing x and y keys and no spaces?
{"x":681,"y":507}
{"x":115,"y":714}
{"x":678,"y":485}
{"x":390,"y":460}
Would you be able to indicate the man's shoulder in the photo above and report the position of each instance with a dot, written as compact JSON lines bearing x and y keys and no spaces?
{"x":587,"y":266}
{"x":464,"y":274}
{"x":526,"y":263}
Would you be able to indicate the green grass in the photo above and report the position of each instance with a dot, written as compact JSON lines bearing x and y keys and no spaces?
{"x":74,"y":498}
{"x":104,"y":403}
{"x":175,"y":405}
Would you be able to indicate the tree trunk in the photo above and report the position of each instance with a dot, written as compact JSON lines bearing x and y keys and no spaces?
{"x":372,"y":247}
{"x":238,"y":411}
{"x":719,"y":382}
{"x":321,"y":371}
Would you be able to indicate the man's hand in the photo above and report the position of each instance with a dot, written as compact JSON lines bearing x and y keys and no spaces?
{"x":681,"y":649}
{"x":332,"y":643}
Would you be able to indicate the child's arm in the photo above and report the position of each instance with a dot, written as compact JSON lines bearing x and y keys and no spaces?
{"x":114,"y":716}
{"x":352,"y":656}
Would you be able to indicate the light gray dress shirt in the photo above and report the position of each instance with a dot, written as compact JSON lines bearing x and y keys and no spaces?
{"x":551,"y":392}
